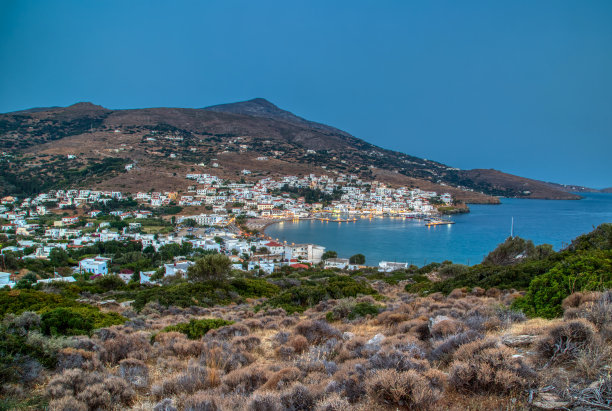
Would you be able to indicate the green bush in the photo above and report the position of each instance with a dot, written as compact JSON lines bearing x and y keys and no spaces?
{"x":254,"y":287}
{"x":60,"y":315}
{"x":195,"y":329}
{"x":298,"y":299}
{"x":18,"y":301}
{"x":77,"y":321}
{"x":351,"y":310}
{"x":64,"y":321}
{"x":363,"y":309}
{"x":586,"y":271}
{"x":203,"y":293}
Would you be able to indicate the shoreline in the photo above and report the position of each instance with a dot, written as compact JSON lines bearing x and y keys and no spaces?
{"x":261,"y":224}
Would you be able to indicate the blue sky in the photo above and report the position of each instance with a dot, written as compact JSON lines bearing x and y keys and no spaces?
{"x":520,"y":86}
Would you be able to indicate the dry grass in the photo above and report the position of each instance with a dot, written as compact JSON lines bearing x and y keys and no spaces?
{"x":437,"y":353}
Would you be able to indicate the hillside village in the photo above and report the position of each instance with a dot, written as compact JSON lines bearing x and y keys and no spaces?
{"x":73,"y":219}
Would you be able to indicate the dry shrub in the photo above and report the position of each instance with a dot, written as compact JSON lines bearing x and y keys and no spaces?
{"x":594,"y":307}
{"x":493,"y":292}
{"x":333,"y":402}
{"x":299,"y":343}
{"x":355,"y":348}
{"x":71,"y":382}
{"x":577,"y":299}
{"x":176,"y":343}
{"x":169,"y":365}
{"x":77,"y":358}
{"x":119,"y":389}
{"x":438,"y":296}
{"x":284,"y":352}
{"x":403,"y":388}
{"x":594,"y":359}
{"x":492,"y":324}
{"x":418,"y":327}
{"x":397,"y":360}
{"x":201,"y":401}
{"x":135,"y":372}
{"x":390,"y":318}
{"x":444,"y":328}
{"x":484,"y":366}
{"x":565,"y":342}
{"x":125,"y":345}
{"x":247,"y":379}
{"x":349,"y":381}
{"x":195,"y":378}
{"x":248,"y":343}
{"x":83,"y":342}
{"x":253,"y":324}
{"x":228,"y":332}
{"x":444,"y":351}
{"x":107,"y":394}
{"x":478,"y":291}
{"x":165,"y":405}
{"x":280,"y":338}
{"x":265,"y":402}
{"x":457,"y":293}
{"x":288,"y":322}
{"x":67,"y":404}
{"x":96,"y":397}
{"x":317,"y":332}
{"x":223,"y":356}
{"x":282,"y":378}
{"x":297,"y":398}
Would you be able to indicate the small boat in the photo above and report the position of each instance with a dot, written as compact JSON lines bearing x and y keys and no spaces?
{"x":439,"y":222}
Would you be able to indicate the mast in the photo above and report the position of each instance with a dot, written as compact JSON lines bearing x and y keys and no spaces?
{"x":512,"y":228}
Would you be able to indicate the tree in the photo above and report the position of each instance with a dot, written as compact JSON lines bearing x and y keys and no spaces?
{"x":135,"y":277}
{"x":357,"y":259}
{"x":329,"y":254}
{"x":190,"y":223}
{"x":210,"y":267}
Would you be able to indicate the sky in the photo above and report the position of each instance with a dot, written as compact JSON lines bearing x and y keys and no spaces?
{"x":520,"y":86}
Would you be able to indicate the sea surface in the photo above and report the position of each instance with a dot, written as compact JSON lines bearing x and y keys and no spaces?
{"x":467,"y":241}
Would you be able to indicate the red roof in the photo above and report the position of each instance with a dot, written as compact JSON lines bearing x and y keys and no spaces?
{"x":299,"y":266}
{"x":274,"y":244}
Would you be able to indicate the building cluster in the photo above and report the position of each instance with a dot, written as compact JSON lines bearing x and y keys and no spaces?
{"x":225,"y":200}
{"x":268,"y":197}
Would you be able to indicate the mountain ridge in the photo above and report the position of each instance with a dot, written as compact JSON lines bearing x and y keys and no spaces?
{"x":233,"y":136}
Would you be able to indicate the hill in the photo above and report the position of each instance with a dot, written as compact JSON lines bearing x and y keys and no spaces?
{"x":86,"y":144}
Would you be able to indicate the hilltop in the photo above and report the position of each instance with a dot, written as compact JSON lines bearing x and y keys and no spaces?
{"x":87,"y":144}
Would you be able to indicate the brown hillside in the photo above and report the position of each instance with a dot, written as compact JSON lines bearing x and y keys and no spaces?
{"x":166,"y":143}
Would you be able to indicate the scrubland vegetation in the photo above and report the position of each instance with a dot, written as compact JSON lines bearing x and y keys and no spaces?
{"x":527,"y":328}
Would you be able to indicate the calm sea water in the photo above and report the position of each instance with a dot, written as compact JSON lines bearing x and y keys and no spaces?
{"x":467,"y":241}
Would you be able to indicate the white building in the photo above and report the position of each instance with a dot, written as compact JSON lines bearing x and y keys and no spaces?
{"x":268,"y":268}
{"x":178,"y":268}
{"x":5,"y":279}
{"x":94,"y":266}
{"x":341,"y":263}
{"x":310,"y":252}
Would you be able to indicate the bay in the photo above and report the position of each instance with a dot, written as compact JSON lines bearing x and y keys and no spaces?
{"x":467,"y":241}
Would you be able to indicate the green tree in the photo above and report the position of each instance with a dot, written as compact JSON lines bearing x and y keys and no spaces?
{"x":211,"y":267}
{"x":588,"y":271}
{"x":357,"y":259}
{"x":329,"y":254}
